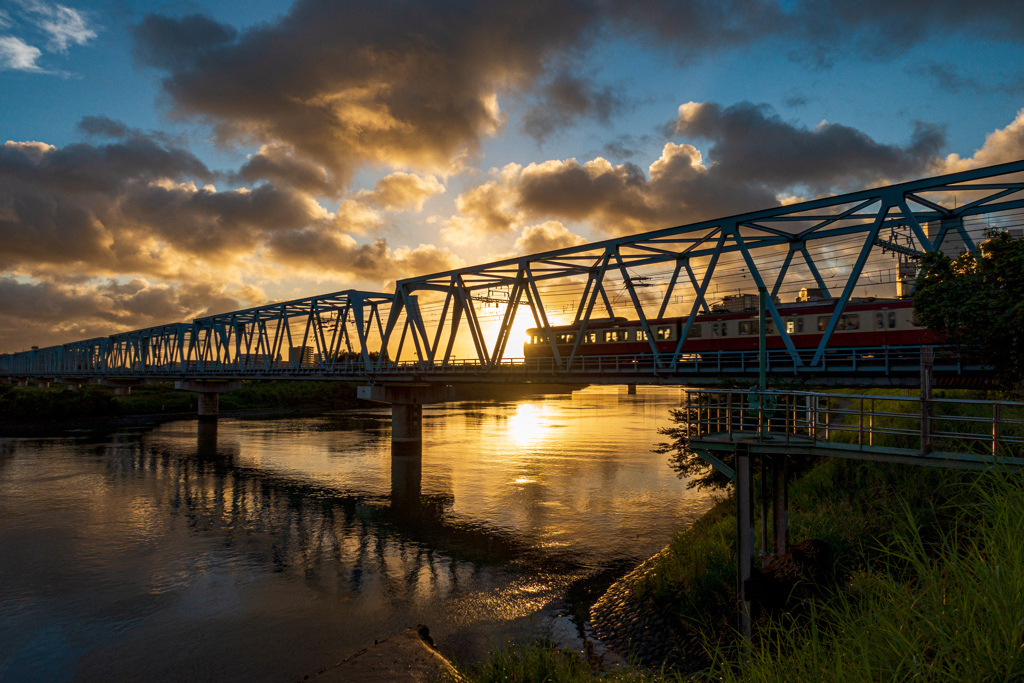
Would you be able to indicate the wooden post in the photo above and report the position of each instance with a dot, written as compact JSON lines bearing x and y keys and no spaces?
{"x":927,"y":364}
{"x":744,"y":542}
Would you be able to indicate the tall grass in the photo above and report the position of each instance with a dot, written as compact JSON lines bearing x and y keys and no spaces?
{"x":538,"y":661}
{"x":946,"y":611}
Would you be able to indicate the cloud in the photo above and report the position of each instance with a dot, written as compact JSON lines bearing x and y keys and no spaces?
{"x":63,"y":25}
{"x":614,"y":198}
{"x":752,"y":143}
{"x":566,"y":97}
{"x":547,"y":236}
{"x":278,"y":164}
{"x":17,"y":55}
{"x":1001,"y":146}
{"x":45,"y":312}
{"x":355,"y":83}
{"x":132,"y":205}
{"x":321,"y":249}
{"x":402,"y":192}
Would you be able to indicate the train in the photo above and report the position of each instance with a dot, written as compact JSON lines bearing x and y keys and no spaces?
{"x":864,"y":322}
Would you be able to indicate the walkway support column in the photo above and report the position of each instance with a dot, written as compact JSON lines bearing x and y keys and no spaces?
{"x":780,"y":504}
{"x":407,"y":401}
{"x":209,"y":394}
{"x":744,"y":540}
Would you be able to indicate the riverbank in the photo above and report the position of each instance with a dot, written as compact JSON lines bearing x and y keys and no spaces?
{"x":923,"y":559}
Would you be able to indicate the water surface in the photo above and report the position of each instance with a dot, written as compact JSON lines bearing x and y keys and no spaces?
{"x":266,"y":550}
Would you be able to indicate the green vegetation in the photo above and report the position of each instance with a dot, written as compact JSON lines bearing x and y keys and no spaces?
{"x":976,"y":304}
{"x":26,"y":405}
{"x":539,"y":662}
{"x":926,"y":609}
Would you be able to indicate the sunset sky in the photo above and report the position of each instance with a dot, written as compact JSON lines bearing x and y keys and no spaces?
{"x":165,"y":160}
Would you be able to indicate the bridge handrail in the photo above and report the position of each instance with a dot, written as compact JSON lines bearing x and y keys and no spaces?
{"x":820,"y":417}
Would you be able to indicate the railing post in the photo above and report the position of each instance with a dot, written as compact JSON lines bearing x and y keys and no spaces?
{"x":860,"y":428}
{"x":871,"y":424}
{"x":927,"y":364}
{"x":995,"y":430}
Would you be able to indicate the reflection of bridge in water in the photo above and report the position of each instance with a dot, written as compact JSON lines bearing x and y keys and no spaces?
{"x":403,"y":538}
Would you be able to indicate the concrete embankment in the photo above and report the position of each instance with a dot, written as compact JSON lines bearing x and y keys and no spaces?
{"x":409,"y":657}
{"x":642,"y":631}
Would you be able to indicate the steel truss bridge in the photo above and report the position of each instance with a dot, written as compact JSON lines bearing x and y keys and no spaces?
{"x":837,"y":244}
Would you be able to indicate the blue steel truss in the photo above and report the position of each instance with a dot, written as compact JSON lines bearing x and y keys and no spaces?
{"x":364,"y":335}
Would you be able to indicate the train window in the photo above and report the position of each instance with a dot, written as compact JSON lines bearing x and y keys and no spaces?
{"x":748,"y":327}
{"x":725,"y":329}
{"x":799,"y":325}
{"x":613,"y":336}
{"x":892,"y":320}
{"x":590,"y":338}
{"x":694,"y":331}
{"x":770,"y":329}
{"x":664,"y":333}
{"x":714,"y":330}
{"x":641,"y":335}
{"x":823,"y":322}
{"x":880,"y":320}
{"x":566,"y":338}
{"x":790,"y":326}
{"x":849,"y":322}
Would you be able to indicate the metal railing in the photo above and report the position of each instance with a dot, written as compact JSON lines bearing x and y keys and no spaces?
{"x":992,"y":428}
{"x":880,"y":361}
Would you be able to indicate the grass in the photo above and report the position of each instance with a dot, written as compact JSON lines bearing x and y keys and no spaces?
{"x":538,"y":661}
{"x":951,"y":610}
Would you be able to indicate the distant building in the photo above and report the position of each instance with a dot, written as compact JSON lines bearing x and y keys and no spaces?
{"x":809,"y":294}
{"x":254,"y":358}
{"x":737,"y":303}
{"x":303,"y":355}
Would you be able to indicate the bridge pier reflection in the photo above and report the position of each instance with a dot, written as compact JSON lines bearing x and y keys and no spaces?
{"x":207,"y":439}
{"x":407,"y":402}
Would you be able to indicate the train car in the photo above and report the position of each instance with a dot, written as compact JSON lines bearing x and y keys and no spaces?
{"x":865,"y":322}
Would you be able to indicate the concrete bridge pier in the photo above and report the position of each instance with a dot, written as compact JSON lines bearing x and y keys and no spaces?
{"x":209,"y":394}
{"x":407,"y":402}
{"x":122,"y":387}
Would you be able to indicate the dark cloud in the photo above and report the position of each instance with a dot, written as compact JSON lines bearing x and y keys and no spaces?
{"x":349,"y":83}
{"x":47,"y":312}
{"x":565,"y":98}
{"x":317,"y":249}
{"x":752,"y":143}
{"x":101,"y":126}
{"x":132,"y":206}
{"x":279,"y":164}
{"x":795,"y":101}
{"x":947,"y":76}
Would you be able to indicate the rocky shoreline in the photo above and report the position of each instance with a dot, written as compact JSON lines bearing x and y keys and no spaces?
{"x":642,"y":631}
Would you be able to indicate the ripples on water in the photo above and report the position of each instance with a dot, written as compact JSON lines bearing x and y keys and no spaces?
{"x":265,"y":550}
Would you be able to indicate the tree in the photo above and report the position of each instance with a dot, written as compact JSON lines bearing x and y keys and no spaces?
{"x":684,"y":461}
{"x":975,"y":304}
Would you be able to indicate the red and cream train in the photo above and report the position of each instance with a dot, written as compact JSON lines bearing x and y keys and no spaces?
{"x":865,"y":322}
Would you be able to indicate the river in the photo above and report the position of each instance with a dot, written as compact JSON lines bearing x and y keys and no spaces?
{"x":269,"y":549}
